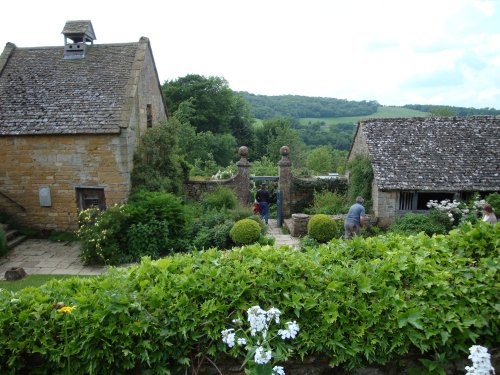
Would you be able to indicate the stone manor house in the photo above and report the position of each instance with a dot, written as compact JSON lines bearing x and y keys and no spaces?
{"x":70,"y":119}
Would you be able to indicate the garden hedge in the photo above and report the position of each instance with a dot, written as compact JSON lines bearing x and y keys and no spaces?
{"x":365,"y":301}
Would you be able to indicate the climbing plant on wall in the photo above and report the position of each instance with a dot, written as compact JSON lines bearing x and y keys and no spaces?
{"x":360,"y":180}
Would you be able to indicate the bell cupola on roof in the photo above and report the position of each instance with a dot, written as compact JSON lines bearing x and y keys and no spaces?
{"x":81,"y":33}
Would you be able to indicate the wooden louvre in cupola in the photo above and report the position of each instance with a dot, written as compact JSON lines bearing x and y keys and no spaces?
{"x":77,"y":35}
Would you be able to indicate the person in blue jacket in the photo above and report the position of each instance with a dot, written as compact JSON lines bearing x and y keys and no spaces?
{"x":355,"y":219}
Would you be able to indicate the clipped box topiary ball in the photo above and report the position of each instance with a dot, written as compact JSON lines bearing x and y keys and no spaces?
{"x":245,"y":232}
{"x":322,"y":228}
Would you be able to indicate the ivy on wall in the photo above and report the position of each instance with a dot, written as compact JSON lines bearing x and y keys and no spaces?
{"x":360,"y":180}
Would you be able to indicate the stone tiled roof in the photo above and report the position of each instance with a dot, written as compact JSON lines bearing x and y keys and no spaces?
{"x":83,"y":27}
{"x":435,"y":154}
{"x":42,"y":93}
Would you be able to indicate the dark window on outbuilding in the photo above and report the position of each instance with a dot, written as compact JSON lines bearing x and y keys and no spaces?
{"x":149,"y":116}
{"x":424,"y":198}
{"x":90,"y":198}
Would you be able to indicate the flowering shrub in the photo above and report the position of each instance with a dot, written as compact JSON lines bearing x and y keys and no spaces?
{"x":481,"y":361}
{"x":151,"y":224}
{"x":455,"y":210}
{"x":226,"y":173}
{"x":459,"y":212}
{"x":259,"y":343}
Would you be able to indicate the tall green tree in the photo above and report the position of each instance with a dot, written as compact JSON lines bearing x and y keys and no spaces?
{"x":211,"y":97}
{"x":158,"y":165}
{"x":275,"y":133}
{"x":241,"y":122}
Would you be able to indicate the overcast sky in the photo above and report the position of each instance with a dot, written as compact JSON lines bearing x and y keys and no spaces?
{"x":396,"y":52}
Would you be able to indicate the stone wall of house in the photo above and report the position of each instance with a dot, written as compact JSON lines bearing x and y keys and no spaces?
{"x":149,"y":90}
{"x":61,"y":163}
{"x":359,"y":145}
{"x":384,"y":205}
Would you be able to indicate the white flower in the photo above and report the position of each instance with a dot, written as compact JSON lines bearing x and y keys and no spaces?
{"x":237,"y":321}
{"x":257,"y":320}
{"x":278,"y":370}
{"x":481,"y":364}
{"x":228,"y":337}
{"x":242,"y":341}
{"x":290,"y":332}
{"x":262,"y":357}
{"x":273,"y":313}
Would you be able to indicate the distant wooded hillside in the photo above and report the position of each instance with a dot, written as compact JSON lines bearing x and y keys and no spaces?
{"x":295,"y":106}
{"x":447,"y":110}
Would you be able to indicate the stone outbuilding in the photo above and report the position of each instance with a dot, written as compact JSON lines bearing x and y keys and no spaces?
{"x":428,"y":158}
{"x":70,"y":119}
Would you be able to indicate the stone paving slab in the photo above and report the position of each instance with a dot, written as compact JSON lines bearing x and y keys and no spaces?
{"x":280,"y":238}
{"x":44,"y":257}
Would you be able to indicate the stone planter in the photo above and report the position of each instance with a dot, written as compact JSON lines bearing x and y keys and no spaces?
{"x":15,"y":273}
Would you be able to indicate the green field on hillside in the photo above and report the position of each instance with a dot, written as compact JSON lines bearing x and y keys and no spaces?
{"x":382,"y":112}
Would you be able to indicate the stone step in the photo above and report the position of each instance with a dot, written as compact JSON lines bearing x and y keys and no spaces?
{"x":10,"y":234}
{"x":16,"y":241}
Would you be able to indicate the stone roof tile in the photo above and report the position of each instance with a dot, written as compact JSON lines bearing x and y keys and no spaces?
{"x":435,"y":153}
{"x":43,"y":93}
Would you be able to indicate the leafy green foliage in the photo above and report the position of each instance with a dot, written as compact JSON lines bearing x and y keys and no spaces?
{"x":151,"y":224}
{"x":412,"y":223}
{"x":212,"y":224}
{"x":145,"y":206}
{"x":213,"y":106}
{"x":494,"y":200}
{"x":3,"y":241}
{"x":264,"y":167}
{"x":329,"y":203}
{"x":220,"y":198}
{"x":245,"y":232}
{"x":157,"y":164}
{"x":323,"y":228}
{"x":365,"y":301}
{"x":360,"y":180}
{"x":317,"y":133}
{"x":275,"y":133}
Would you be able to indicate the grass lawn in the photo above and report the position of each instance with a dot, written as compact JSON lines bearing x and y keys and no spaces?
{"x":31,"y":281}
{"x":382,"y":112}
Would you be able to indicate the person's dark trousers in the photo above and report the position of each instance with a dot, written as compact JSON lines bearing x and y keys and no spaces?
{"x":264,"y":210}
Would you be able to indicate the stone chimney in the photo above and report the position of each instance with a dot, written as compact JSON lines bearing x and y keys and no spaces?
{"x":81,"y":33}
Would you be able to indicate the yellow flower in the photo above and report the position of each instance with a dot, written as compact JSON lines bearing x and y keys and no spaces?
{"x":67,"y":309}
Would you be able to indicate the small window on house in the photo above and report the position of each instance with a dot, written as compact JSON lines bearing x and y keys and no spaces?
{"x":149,"y":116}
{"x":406,"y":201}
{"x":90,"y":198}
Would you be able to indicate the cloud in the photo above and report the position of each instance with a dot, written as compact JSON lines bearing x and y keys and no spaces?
{"x":472,"y":61}
{"x":441,"y":78}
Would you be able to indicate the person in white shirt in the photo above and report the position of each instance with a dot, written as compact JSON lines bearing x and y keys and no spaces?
{"x":488,"y":215}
